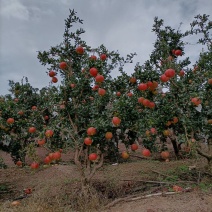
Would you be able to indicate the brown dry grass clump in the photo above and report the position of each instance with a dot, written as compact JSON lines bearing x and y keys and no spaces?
{"x":57,"y":188}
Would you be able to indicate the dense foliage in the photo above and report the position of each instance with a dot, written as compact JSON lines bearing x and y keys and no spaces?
{"x":164,"y":100}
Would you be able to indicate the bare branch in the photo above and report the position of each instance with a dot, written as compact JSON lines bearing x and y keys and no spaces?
{"x":72,"y":124}
{"x":97,"y":166}
{"x":159,"y":182}
{"x":209,"y":157}
{"x":134,"y":198}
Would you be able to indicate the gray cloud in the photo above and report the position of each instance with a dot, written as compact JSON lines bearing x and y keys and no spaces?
{"x":29,"y":26}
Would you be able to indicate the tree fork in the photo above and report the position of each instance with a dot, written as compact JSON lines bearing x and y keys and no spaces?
{"x":208,"y":155}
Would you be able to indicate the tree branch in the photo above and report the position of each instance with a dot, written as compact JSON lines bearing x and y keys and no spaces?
{"x":96,"y":166}
{"x":209,"y":157}
{"x":76,"y":156}
{"x":72,"y":124}
{"x":134,"y":198}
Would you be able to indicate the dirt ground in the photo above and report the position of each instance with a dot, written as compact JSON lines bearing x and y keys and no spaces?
{"x":139,"y":185}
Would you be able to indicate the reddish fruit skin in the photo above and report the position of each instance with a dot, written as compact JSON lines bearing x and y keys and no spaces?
{"x":168,"y":123}
{"x":91,"y":131}
{"x":108,"y":135}
{"x":132,"y":80}
{"x":164,"y":154}
{"x":155,"y":84}
{"x":21,"y":113}
{"x":170,"y":73}
{"x":175,"y":120}
{"x":56,"y":155}
{"x":196,"y":101}
{"x":142,"y":86}
{"x":52,"y":73}
{"x":101,"y":91}
{"x":93,"y":72}
{"x":51,"y":156}
{"x":95,"y":87}
{"x":47,"y":160}
{"x":72,"y":85}
{"x":182,"y":73}
{"x":46,"y":117}
{"x":146,"y":102}
{"x":151,"y":105}
{"x":129,"y":94}
{"x":210,"y":81}
{"x":32,"y":130}
{"x":19,"y":163}
{"x":93,"y":57}
{"x":54,"y":79}
{"x":10,"y":120}
{"x":209,"y":121}
{"x":150,"y":84}
{"x":88,"y":141}
{"x":28,"y":191}
{"x":63,"y":65}
{"x":83,"y":70}
{"x":140,"y":100}
{"x":118,"y":93}
{"x":34,"y":165}
{"x":125,"y":155}
{"x":178,"y":52}
{"x":15,"y":203}
{"x":41,"y":142}
{"x":103,"y":57}
{"x":164,"y":78}
{"x":177,"y":188}
{"x":116,"y":121}
{"x":153,"y":131}
{"x":80,"y":50}
{"x":146,"y":152}
{"x":93,"y":156}
{"x":34,"y":108}
{"x":134,"y":147}
{"x":49,"y":133}
{"x":99,"y":78}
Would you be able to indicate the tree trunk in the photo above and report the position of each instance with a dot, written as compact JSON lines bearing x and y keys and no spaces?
{"x":175,"y":146}
{"x":210,"y":165}
{"x":85,"y":186}
{"x":210,"y":153}
{"x":207,"y":155}
{"x":87,"y":168}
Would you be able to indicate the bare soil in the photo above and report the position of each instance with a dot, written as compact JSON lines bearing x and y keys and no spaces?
{"x":143,"y":185}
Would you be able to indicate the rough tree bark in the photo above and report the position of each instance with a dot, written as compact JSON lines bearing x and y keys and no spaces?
{"x":207,"y":155}
{"x":86,"y":169}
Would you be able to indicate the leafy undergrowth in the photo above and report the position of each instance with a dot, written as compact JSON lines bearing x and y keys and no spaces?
{"x":57,"y":188}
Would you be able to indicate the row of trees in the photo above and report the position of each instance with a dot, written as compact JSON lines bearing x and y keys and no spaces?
{"x":91,"y":111}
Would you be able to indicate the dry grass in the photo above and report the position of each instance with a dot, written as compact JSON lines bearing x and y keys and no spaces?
{"x":31,"y":205}
{"x":46,"y":201}
{"x":57,"y":188}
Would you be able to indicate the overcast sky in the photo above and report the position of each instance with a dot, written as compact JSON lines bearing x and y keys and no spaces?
{"x":28,"y":26}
